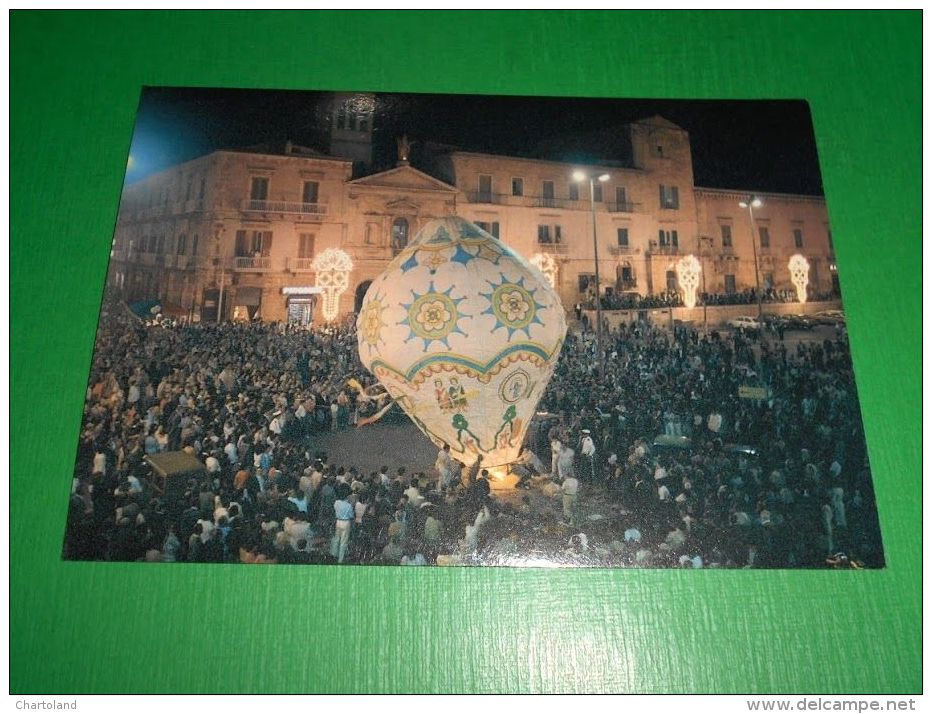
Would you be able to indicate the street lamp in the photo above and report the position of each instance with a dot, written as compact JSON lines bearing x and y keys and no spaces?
{"x":751,"y":203}
{"x":580,"y":176}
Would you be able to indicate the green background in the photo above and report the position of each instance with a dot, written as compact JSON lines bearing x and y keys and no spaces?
{"x":85,"y":627}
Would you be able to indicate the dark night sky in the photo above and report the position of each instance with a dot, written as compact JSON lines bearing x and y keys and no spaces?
{"x":753,"y":145}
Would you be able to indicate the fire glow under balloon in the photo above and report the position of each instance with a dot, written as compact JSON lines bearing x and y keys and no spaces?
{"x":464,"y":334}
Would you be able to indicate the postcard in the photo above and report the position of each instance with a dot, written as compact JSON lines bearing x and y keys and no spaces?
{"x":354,"y":328}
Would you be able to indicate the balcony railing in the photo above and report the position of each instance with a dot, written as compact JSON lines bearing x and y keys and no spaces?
{"x":252,"y":263}
{"x":484,"y":197}
{"x":296,"y":207}
{"x":551,"y":247}
{"x":665,"y":249}
{"x":621,"y":250}
{"x":621,"y":207}
{"x":300,"y":265}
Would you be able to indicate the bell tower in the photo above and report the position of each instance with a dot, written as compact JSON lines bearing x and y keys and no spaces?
{"x":351,"y":117}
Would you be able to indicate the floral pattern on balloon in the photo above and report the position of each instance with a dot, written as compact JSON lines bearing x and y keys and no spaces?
{"x":513,"y":306}
{"x":371,"y":323}
{"x":433,"y":316}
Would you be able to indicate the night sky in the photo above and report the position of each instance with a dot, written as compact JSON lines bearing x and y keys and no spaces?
{"x":752,"y":145}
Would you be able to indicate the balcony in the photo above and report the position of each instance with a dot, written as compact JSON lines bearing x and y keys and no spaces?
{"x":301,"y":265}
{"x":624,"y":207}
{"x":253,"y":264}
{"x":290,"y":207}
{"x":664,"y":249}
{"x":550,"y":247}
{"x":484,"y":197}
{"x":147,"y":258}
{"x":621,"y":250}
{"x":626,"y":284}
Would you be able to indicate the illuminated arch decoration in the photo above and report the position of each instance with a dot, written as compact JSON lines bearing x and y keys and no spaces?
{"x":546,"y":264}
{"x":688,"y":270}
{"x":799,"y":274}
{"x":333,"y":268}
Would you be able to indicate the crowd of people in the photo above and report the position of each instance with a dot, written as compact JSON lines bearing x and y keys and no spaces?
{"x":775,"y":482}
{"x":673,"y":298}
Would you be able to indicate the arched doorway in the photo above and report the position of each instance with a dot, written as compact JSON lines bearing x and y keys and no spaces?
{"x":360,"y":294}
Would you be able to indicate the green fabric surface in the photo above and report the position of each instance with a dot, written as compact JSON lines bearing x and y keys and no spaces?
{"x":101,"y":627}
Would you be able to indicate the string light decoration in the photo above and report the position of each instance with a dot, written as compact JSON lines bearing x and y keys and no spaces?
{"x":545,"y":263}
{"x":688,"y":270}
{"x":333,"y":267}
{"x":799,"y":274}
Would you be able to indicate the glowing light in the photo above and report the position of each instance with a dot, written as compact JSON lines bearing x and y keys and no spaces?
{"x":799,"y":274}
{"x":546,"y":264}
{"x":333,"y":267}
{"x":688,"y":270}
{"x":604,"y":177}
{"x":579,"y":176}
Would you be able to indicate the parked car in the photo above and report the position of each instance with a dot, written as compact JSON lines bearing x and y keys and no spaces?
{"x":744,"y":322}
{"x":829,"y":317}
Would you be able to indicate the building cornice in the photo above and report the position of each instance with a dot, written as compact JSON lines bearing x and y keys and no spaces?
{"x":739,"y":195}
{"x":570,"y":167}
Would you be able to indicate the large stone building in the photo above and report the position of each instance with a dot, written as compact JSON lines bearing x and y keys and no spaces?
{"x":297,"y":234}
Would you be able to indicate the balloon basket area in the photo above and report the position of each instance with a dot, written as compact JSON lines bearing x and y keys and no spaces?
{"x":501,"y":478}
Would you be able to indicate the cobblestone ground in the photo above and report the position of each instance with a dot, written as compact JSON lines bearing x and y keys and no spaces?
{"x":370,"y":447}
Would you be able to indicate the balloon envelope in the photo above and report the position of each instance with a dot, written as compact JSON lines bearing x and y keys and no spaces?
{"x":464,"y":333}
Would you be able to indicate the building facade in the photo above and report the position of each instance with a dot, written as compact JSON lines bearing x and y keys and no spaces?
{"x":298,"y":235}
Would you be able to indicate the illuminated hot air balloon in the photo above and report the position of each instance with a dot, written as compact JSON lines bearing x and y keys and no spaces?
{"x":464,"y":334}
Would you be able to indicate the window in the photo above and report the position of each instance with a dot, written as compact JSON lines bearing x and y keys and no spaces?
{"x":517,"y":187}
{"x":491,"y":228}
{"x":160,"y":246}
{"x":485,"y":188}
{"x":574,"y":191}
{"x":586,"y":283}
{"x":309,"y":193}
{"x":253,"y":244}
{"x":671,"y":281}
{"x":549,"y":234}
{"x":730,"y":284}
{"x":259,"y":190}
{"x":547,"y":194}
{"x":768,"y":281}
{"x":764,"y":233}
{"x":726,"y":236}
{"x":798,"y":237}
{"x":597,"y":192}
{"x":623,"y":237}
{"x":669,"y":197}
{"x":668,"y":239}
{"x":306,"y":245}
{"x":399,"y":234}
{"x":621,"y":198}
{"x":189,"y":188}
{"x":194,"y":245}
{"x":200,"y":192}
{"x":182,"y":243}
